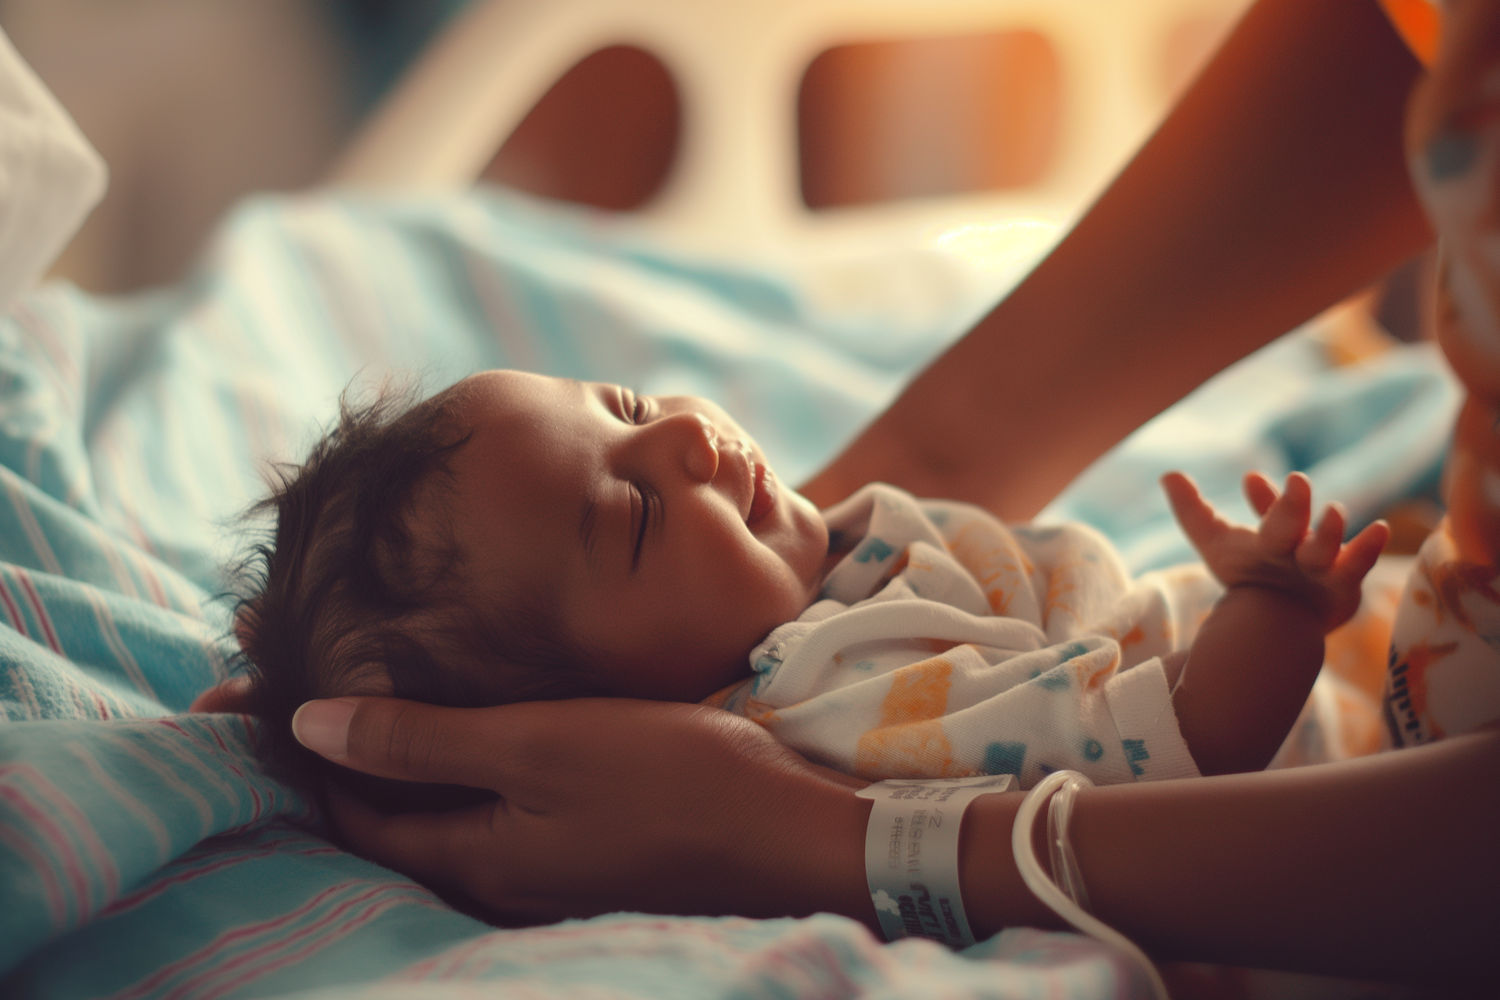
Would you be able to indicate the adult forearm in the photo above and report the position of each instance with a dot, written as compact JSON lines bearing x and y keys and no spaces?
{"x":1276,"y":187}
{"x":1380,"y":868}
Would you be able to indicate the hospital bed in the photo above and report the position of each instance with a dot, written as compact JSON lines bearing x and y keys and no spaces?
{"x":145,"y":854}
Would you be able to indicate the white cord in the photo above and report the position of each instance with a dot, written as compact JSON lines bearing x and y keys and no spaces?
{"x":1065,"y":870}
{"x":1066,"y":785}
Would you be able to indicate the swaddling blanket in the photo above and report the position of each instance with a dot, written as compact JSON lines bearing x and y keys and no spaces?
{"x":947,"y":644}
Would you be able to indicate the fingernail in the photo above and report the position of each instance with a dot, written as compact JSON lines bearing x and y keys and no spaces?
{"x":323,"y":726}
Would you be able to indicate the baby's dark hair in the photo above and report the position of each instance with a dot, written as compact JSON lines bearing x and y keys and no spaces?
{"x":345,"y":597}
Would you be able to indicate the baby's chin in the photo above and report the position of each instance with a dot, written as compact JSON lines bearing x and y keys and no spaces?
{"x":683,"y":675}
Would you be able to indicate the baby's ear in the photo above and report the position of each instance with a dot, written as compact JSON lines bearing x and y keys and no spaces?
{"x":232,"y":695}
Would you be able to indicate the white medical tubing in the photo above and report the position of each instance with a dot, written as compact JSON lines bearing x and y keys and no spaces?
{"x":1066,"y":785}
{"x":1059,"y":848}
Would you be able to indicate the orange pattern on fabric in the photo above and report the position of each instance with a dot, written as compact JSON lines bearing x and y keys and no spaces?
{"x":998,"y":568}
{"x":760,"y":712}
{"x":894,"y":570}
{"x":1451,"y":580}
{"x":1132,"y":637}
{"x":1059,"y":585}
{"x":1473,"y":465}
{"x":909,"y":741}
{"x":1091,"y":678}
{"x":1356,"y":650}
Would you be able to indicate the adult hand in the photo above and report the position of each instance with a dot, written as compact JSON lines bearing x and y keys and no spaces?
{"x":604,"y":804}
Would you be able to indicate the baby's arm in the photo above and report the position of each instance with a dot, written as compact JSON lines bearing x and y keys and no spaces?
{"x":1255,"y":658}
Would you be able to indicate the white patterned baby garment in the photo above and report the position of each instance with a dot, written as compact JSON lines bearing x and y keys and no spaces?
{"x":946,"y":644}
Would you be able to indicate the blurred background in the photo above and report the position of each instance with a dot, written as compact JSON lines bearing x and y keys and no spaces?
{"x":195,"y":103}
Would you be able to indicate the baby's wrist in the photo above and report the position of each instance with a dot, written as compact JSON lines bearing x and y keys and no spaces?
{"x":1291,"y":602}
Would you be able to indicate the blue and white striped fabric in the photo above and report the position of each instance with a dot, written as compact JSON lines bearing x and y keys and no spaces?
{"x":143,"y":853}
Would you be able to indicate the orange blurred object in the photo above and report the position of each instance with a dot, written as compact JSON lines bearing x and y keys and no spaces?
{"x":605,"y":134}
{"x":1420,"y":23}
{"x":1473,"y":472}
{"x":911,"y":118}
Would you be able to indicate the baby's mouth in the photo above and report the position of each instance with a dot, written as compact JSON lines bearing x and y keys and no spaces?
{"x":763,"y":501}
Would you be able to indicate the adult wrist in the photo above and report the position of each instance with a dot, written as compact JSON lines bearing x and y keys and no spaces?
{"x":839,"y":863}
{"x":809,"y":855}
{"x":995,"y":895}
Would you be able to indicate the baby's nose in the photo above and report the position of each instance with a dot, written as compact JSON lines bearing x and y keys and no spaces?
{"x":702,"y":456}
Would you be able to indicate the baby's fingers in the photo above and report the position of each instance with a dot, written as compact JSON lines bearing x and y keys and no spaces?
{"x":1285,"y":523}
{"x":1200,"y":522}
{"x":1359,"y":555}
{"x":1319,"y":549}
{"x":1260,"y":491}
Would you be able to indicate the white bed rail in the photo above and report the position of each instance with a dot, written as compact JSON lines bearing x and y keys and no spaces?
{"x":738,"y":64}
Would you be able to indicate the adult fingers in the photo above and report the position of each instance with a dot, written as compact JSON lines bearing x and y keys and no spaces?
{"x":434,"y":848}
{"x":531,"y":749}
{"x":408,"y":740}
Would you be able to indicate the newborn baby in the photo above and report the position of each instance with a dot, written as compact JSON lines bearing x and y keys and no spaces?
{"x":520,"y":537}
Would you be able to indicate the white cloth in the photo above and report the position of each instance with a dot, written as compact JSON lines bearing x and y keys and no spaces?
{"x":946,"y":644}
{"x":50,"y":177}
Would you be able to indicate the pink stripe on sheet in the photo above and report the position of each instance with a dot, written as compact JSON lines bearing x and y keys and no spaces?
{"x":190,"y":870}
{"x":109,"y":630}
{"x":40,"y":609}
{"x":210,"y":957}
{"x":78,"y":823}
{"x":544,"y":945}
{"x":809,"y":966}
{"x":110,"y":448}
{"x":306,"y":946}
{"x":213,"y":731}
{"x":21,"y":682}
{"x":110,"y":547}
{"x":229,"y":789}
{"x":121,"y":742}
{"x":12,"y":609}
{"x":57,"y":900}
{"x":148,"y":572}
{"x":258,"y":806}
{"x":52,"y":834}
{"x":60,"y":361}
{"x":131,"y":804}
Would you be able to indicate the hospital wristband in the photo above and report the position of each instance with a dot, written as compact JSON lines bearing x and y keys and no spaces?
{"x":911,"y":854}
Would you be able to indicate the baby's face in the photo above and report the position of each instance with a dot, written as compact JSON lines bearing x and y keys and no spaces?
{"x":653,"y":525}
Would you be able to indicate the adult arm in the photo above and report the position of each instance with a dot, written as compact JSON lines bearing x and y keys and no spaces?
{"x":1380,"y":867}
{"x":1276,"y":187}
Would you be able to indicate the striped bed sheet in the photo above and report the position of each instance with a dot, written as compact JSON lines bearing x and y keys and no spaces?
{"x":143,"y":851}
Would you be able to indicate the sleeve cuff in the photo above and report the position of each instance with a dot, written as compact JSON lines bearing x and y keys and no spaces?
{"x":1141,"y":704}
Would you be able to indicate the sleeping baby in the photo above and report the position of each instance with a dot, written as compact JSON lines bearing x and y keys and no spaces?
{"x":518,"y":537}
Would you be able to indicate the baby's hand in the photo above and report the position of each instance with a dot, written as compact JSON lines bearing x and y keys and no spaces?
{"x":1313,"y":565}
